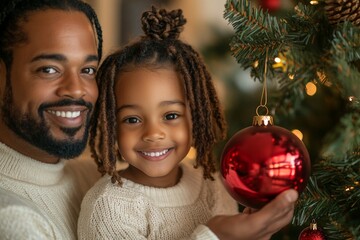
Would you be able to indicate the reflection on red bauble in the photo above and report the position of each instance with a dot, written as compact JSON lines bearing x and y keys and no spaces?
{"x":261,"y":161}
{"x":312,"y":233}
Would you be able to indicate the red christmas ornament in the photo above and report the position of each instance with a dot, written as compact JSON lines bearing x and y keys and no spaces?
{"x":261,"y":161}
{"x":313,"y":232}
{"x":271,"y":5}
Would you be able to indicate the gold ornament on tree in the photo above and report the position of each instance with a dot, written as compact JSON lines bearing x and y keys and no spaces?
{"x":343,"y":10}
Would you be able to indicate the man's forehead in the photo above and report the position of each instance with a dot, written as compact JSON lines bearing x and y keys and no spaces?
{"x":58,"y":32}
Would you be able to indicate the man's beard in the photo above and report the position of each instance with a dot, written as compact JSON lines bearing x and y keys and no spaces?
{"x":38,"y":133}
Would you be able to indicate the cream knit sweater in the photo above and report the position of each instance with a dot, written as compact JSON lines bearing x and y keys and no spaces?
{"x":134,"y":211}
{"x":38,"y":200}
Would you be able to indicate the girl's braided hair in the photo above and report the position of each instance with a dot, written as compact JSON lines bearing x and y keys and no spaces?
{"x":14,"y":12}
{"x":158,"y":48}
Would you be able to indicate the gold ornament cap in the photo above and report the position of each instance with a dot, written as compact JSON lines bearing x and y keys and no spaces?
{"x":313,"y":225}
{"x":263,"y":120}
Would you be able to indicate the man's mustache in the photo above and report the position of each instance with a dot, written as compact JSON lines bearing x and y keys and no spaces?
{"x":66,"y":102}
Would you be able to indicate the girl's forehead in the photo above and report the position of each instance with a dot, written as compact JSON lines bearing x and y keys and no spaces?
{"x":149,"y":84}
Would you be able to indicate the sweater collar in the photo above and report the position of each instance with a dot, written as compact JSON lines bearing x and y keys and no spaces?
{"x":23,"y":168}
{"x":186,"y":192}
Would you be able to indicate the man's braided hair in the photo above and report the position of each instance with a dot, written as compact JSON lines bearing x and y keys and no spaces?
{"x":14,"y":12}
{"x":160,"y":47}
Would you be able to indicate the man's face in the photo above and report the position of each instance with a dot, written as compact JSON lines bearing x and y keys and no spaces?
{"x":52,"y":87}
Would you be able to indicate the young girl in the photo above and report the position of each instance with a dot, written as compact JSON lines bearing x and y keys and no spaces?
{"x":156,"y":101}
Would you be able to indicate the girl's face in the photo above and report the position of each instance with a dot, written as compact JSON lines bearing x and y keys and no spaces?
{"x":154,"y":125}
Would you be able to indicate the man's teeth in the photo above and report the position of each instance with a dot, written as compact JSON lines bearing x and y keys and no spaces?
{"x":65,"y":114}
{"x":155,"y":154}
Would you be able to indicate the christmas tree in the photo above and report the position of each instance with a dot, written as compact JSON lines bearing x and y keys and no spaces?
{"x":312,"y":52}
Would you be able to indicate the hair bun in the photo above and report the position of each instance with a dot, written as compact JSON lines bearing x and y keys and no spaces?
{"x":160,"y":24}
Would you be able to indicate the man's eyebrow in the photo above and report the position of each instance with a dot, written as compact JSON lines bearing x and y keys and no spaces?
{"x":92,"y":58}
{"x":57,"y":57}
{"x":61,"y":58}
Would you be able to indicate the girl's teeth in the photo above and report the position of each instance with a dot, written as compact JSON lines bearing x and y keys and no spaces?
{"x":155,"y":154}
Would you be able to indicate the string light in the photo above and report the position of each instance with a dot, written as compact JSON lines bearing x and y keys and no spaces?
{"x":280,"y":62}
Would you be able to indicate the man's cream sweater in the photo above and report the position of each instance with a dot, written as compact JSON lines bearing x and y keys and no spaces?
{"x":39,"y":200}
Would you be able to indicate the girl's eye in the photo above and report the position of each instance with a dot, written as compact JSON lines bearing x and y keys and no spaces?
{"x":132,"y":120}
{"x":171,"y":116}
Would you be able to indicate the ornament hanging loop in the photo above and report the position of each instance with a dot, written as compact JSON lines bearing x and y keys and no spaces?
{"x":263,"y":119}
{"x":264,"y":107}
{"x":263,"y":100}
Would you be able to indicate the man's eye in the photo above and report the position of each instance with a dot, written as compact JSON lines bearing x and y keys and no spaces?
{"x":48,"y":70}
{"x":132,"y":120}
{"x":90,"y":71}
{"x":171,"y":116}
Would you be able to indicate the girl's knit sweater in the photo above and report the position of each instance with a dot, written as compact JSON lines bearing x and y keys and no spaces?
{"x":134,"y":211}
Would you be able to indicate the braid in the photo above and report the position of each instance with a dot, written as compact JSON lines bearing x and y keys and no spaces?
{"x":210,"y":126}
{"x":105,"y":119}
{"x":160,"y":47}
{"x":15,"y":11}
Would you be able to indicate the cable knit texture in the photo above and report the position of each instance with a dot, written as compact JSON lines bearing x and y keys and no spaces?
{"x":134,"y":211}
{"x":39,"y":200}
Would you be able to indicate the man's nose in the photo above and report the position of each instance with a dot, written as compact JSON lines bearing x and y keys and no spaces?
{"x":71,"y":86}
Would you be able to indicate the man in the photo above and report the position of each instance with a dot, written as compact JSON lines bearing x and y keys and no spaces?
{"x":49,"y":54}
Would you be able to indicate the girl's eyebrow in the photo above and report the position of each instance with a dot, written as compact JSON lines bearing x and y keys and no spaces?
{"x":172,"y":102}
{"x":164,"y":103}
{"x":125,"y":106}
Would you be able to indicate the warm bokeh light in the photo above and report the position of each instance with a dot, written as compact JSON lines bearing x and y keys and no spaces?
{"x":298,"y":133}
{"x":310,"y":89}
{"x":192,"y":153}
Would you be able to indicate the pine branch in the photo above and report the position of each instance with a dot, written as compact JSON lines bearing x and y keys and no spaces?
{"x":333,"y":193}
{"x":256,"y":32}
{"x":346,"y":135}
{"x":345,"y":59}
